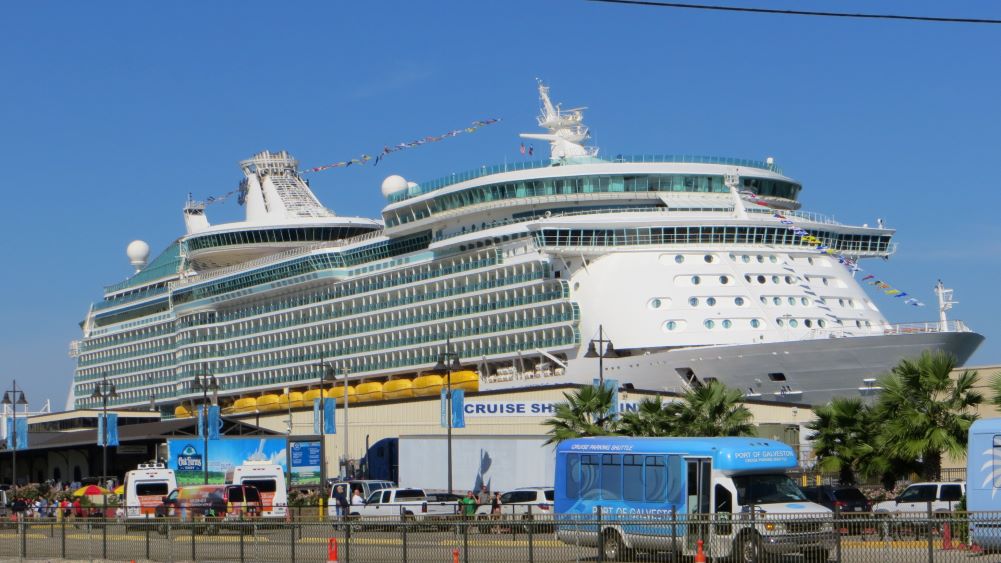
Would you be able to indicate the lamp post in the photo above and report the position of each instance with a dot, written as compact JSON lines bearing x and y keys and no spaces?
{"x":104,"y":390}
{"x":448,"y":361}
{"x":593,"y":348}
{"x":13,"y":398}
{"x":207,"y":382}
{"x":330,"y":376}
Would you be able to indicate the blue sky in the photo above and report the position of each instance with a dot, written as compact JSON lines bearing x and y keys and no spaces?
{"x":112,"y":112}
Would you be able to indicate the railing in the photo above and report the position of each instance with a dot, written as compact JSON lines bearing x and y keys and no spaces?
{"x":518,"y":533}
{"x":901,"y":328}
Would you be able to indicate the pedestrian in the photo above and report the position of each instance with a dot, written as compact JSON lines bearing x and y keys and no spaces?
{"x":483,"y":499}
{"x":356,"y":499}
{"x":341,"y":500}
{"x":495,"y":511}
{"x":468,"y":505}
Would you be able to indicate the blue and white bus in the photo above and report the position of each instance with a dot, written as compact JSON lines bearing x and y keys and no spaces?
{"x":659,"y":494}
{"x":983,"y":483}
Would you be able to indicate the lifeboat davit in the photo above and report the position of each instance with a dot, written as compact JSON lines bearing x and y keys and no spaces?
{"x":466,"y":380}
{"x":427,"y":385}
{"x":398,"y":389}
{"x":370,"y":391}
{"x":267,"y":402}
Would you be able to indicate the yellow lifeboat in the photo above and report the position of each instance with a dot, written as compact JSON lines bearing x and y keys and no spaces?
{"x":398,"y":389}
{"x":291,"y":400}
{"x":338,"y":394}
{"x":466,"y":380}
{"x":312,"y":395}
{"x":246,"y":404}
{"x":182,"y":411}
{"x":267,"y":402}
{"x":427,"y":385}
{"x":370,"y":391}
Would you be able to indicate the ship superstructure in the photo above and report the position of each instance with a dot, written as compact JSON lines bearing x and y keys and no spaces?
{"x":518,"y":266}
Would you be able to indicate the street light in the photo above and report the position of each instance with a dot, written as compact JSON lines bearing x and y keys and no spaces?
{"x":606,"y":352}
{"x":207,"y":382}
{"x":448,"y":361}
{"x":14,"y":398}
{"x":330,"y":376}
{"x":104,"y":390}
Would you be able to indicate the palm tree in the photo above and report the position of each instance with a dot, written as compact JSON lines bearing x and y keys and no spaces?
{"x":844,"y":438}
{"x":586,"y":412}
{"x":710,"y":410}
{"x":995,"y":386}
{"x":925,"y":413}
{"x":651,"y":418}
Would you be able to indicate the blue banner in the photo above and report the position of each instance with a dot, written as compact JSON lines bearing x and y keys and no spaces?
{"x":329,"y":416}
{"x":316,"y":416}
{"x":613,"y":386}
{"x":458,"y":399}
{"x":444,"y":411}
{"x":100,"y":430}
{"x":113,"y":429}
{"x":18,"y":431}
{"x":215,"y":422}
{"x":201,"y":421}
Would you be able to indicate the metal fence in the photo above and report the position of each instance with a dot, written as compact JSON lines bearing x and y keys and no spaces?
{"x":747,"y":536}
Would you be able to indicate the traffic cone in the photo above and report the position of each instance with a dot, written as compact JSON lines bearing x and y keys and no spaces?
{"x":946,"y":536}
{"x":332,"y":550}
{"x":700,"y":556}
{"x":455,"y":555}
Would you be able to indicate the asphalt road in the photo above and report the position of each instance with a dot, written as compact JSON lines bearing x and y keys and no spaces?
{"x":310,"y":543}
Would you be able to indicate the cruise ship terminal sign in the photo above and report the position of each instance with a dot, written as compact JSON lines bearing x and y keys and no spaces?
{"x":524,"y":408}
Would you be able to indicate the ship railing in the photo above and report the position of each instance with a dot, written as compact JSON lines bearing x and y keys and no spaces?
{"x":271,"y":259}
{"x":892,"y":329}
{"x":811,"y":216}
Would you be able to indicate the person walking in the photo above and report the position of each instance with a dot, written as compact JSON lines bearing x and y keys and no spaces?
{"x":341,"y":501}
{"x":495,"y":512}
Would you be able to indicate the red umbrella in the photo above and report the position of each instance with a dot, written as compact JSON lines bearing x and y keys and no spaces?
{"x":90,"y":490}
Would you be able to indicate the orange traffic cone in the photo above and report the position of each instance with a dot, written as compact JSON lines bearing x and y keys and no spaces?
{"x":455,"y":555}
{"x":700,"y":556}
{"x":332,"y":550}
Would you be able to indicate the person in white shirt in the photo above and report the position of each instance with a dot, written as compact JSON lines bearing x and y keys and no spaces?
{"x":356,"y":498}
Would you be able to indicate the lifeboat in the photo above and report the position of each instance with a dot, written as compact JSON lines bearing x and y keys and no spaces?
{"x":291,"y":400}
{"x":267,"y":402}
{"x":427,"y":385}
{"x":338,"y":394}
{"x":246,"y":404}
{"x":398,"y":389}
{"x":312,"y":395}
{"x":182,"y":411}
{"x":370,"y":391}
{"x":466,"y":380}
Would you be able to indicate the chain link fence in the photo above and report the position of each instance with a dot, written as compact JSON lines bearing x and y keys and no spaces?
{"x":747,"y":537}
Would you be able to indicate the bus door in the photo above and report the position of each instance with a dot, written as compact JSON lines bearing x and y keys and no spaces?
{"x":698,"y":486}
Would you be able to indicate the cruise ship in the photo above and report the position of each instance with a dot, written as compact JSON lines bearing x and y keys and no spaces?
{"x":675,"y":270}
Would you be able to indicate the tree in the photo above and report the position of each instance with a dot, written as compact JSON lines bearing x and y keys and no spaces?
{"x":844,"y":438}
{"x":709,"y":410}
{"x":586,"y":412}
{"x":651,"y":418}
{"x":925,"y":413}
{"x":995,"y":386}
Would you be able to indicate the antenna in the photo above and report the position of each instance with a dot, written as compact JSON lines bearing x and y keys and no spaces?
{"x":945,"y":303}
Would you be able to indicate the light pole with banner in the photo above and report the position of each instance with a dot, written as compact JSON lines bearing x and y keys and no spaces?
{"x":104,"y":390}
{"x":601,"y":352}
{"x":448,"y":361}
{"x":14,"y":397}
{"x":207,"y":382}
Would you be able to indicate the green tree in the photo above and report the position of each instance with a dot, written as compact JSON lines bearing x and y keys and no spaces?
{"x":925,"y":413}
{"x":651,"y":418}
{"x":586,"y":412}
{"x":712,"y":409}
{"x":844,"y":438}
{"x":995,"y":387}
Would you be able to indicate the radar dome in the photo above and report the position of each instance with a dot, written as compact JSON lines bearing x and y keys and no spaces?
{"x":138,"y":253}
{"x":393,"y":184}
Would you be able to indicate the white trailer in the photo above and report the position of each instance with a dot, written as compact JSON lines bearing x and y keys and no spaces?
{"x":502,"y":463}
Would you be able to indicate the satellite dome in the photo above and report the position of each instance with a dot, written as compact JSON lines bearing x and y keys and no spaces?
{"x":138,"y":253}
{"x":393,"y":184}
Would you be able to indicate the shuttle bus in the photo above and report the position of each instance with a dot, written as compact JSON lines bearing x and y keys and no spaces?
{"x":983,"y":483}
{"x":269,"y":479}
{"x":661,"y":494}
{"x":145,"y":488}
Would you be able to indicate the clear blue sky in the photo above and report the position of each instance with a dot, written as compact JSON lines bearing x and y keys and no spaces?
{"x":113,"y":112}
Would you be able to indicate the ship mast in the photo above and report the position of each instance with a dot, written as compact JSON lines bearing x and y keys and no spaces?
{"x":567,"y":131}
{"x":945,"y":303}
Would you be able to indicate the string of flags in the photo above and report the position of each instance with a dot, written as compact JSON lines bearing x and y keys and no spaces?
{"x":387,"y":150}
{"x":824,"y":249}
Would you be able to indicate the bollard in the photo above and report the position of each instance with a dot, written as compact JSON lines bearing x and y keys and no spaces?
{"x":332,"y":550}
{"x":700,"y":556}
{"x":455,"y":555}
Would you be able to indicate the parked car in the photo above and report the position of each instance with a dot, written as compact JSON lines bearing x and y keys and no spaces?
{"x":444,"y":497}
{"x":526,"y":503}
{"x":401,"y":502}
{"x":213,"y":504}
{"x":843,"y":499}
{"x":367,"y":487}
{"x":943,"y":498}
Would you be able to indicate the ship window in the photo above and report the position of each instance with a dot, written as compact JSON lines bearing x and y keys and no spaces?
{"x":789,"y":279}
{"x":709,"y":323}
{"x":711,"y":301}
{"x":804,"y":301}
{"x":775,"y":279}
{"x":724,"y":280}
{"x":793,"y":323}
{"x":693,"y":301}
{"x":761,"y":279}
{"x":779,"y":322}
{"x":821,"y":323}
{"x":671,"y":325}
{"x":655,"y":303}
{"x":755,"y":323}
{"x":696,"y":280}
{"x":773,"y":259}
{"x":776,"y":376}
{"x":858,"y":324}
{"x":777,"y":300}
{"x":708,"y":258}
{"x":760,"y":258}
{"x":791,"y":300}
{"x":745,"y":258}
{"x":679,"y":258}
{"x":808,"y":323}
{"x":738,"y":301}
{"x":727,"y":323}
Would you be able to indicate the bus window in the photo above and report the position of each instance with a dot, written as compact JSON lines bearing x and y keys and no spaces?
{"x":724,"y":500}
{"x":632,"y":477}
{"x":262,"y":485}
{"x":589,"y":474}
{"x":611,"y":477}
{"x":573,"y":476}
{"x":151,"y":489}
{"x":656,"y":478}
{"x":236,"y":494}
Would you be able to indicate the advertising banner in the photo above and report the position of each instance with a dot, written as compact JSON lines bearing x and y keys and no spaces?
{"x":305,"y":458}
{"x":186,"y":456}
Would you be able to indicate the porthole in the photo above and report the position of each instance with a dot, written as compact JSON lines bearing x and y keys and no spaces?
{"x":576,"y":286}
{"x":808,"y":323}
{"x":738,"y":301}
{"x":760,"y":258}
{"x":791,"y":300}
{"x":789,"y":279}
{"x":841,"y":302}
{"x":810,"y":260}
{"x":804,"y":301}
{"x":747,"y":278}
{"x":671,"y":325}
{"x":824,"y":280}
{"x":763,"y":299}
{"x":711,"y":301}
{"x":775,"y":279}
{"x":867,"y":323}
{"x":779,"y":322}
{"x":755,"y":323}
{"x":709,"y":323}
{"x":745,"y":258}
{"x":777,"y":300}
{"x":821,"y":323}
{"x":693,"y":301}
{"x":858,"y":324}
{"x":772,"y":258}
{"x":793,"y":323}
{"x":655,"y":303}
{"x":724,"y":280}
{"x":696,"y":280}
{"x":679,"y":258}
{"x":733,"y":257}
{"x":761,"y":279}
{"x":727,"y":323}
{"x":708,"y":258}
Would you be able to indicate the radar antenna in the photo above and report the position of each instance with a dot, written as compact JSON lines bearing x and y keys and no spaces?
{"x":567,"y":131}
{"x":945,"y":303}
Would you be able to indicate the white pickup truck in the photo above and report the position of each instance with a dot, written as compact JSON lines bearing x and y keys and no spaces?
{"x":401,"y":502}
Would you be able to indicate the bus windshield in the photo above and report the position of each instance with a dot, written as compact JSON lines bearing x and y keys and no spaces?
{"x":764,"y":489}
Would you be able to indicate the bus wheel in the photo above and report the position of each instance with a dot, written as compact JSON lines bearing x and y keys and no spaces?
{"x":747,"y":548}
{"x":612,"y":547}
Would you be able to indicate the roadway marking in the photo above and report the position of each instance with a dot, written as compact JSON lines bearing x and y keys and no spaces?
{"x":893,"y":544}
{"x":222,"y":539}
{"x":15,"y":535}
{"x":115,"y":537}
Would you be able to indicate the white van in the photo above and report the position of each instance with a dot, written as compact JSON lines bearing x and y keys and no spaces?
{"x":145,"y":488}
{"x":269,"y":479}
